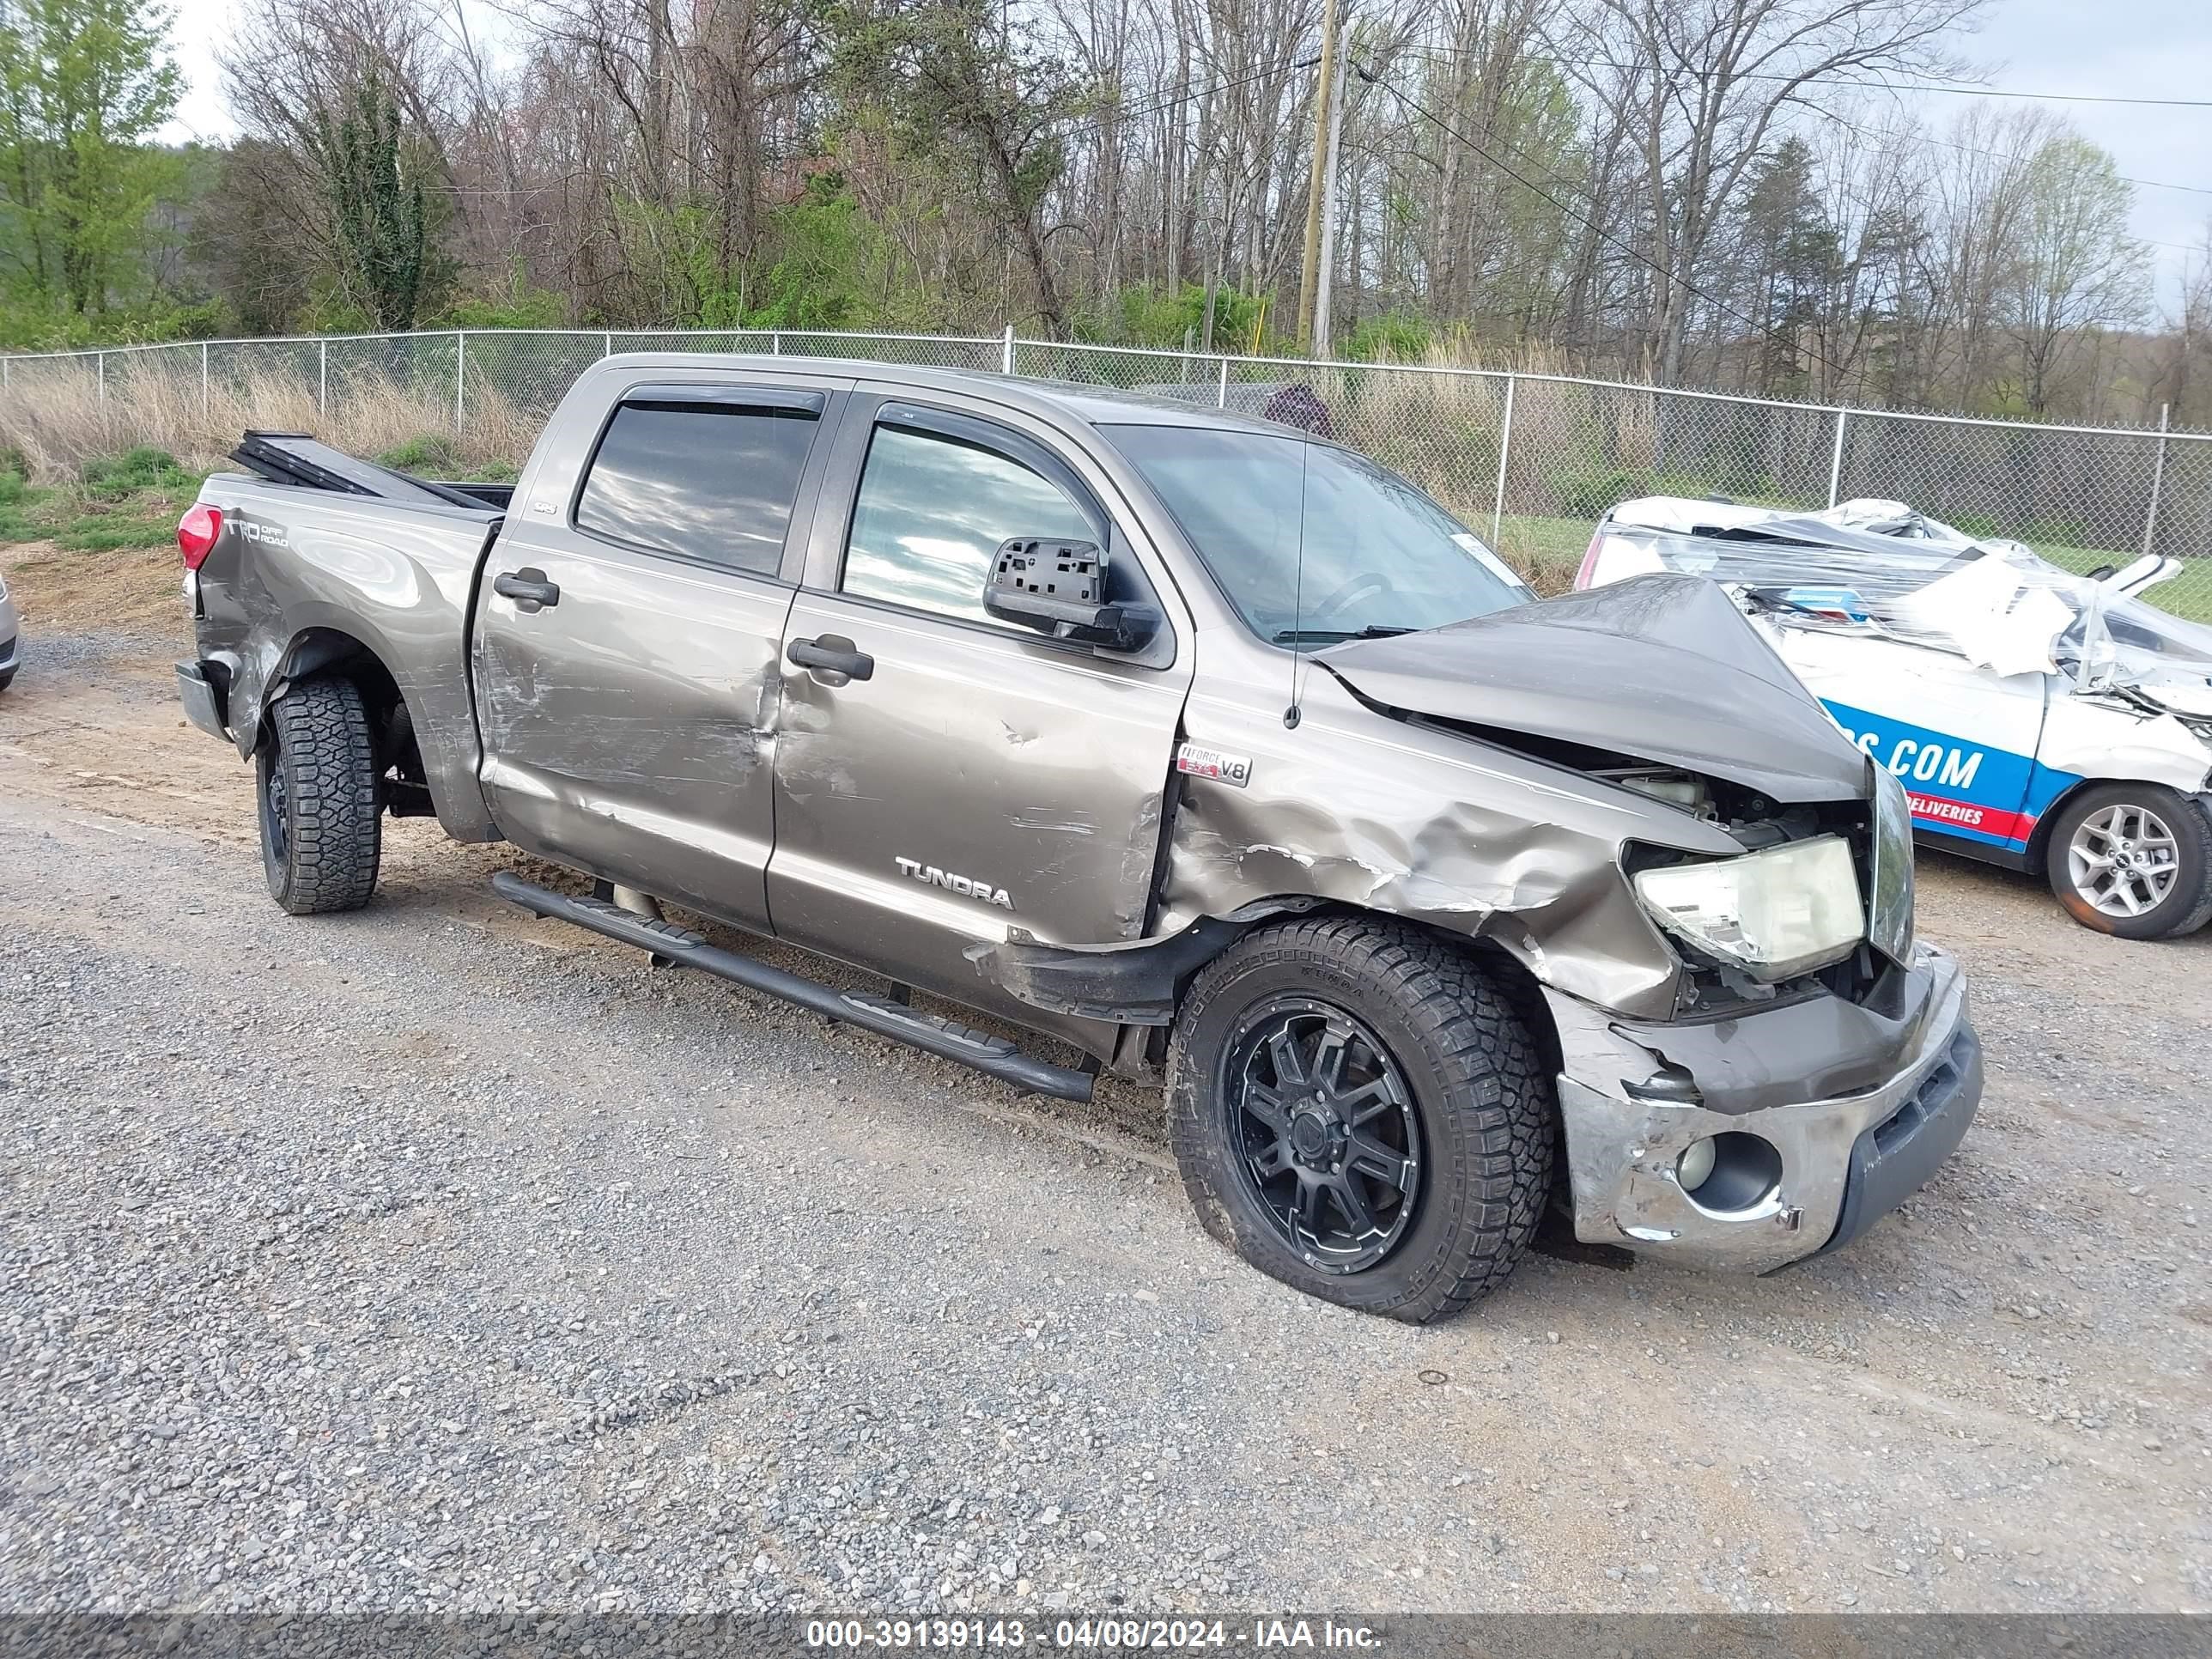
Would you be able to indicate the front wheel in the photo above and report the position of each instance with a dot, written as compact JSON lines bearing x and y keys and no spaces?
{"x":2133,"y":860}
{"x":1359,"y":1113}
{"x":321,"y":834}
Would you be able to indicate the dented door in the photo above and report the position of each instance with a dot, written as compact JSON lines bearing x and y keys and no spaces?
{"x":980,"y":778}
{"x":627,"y":640}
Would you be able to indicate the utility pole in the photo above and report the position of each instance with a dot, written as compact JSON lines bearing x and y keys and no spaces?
{"x":1318,"y":185}
{"x":1325,"y":280}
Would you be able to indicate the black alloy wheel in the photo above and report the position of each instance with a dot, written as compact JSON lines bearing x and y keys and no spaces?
{"x":274,"y":800}
{"x":1324,"y":1120}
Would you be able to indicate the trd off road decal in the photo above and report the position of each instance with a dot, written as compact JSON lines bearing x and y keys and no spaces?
{"x":1957,"y":786}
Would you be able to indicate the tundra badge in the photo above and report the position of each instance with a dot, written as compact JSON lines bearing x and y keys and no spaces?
{"x":966,"y":886}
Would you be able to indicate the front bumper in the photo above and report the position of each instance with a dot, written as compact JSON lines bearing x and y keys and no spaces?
{"x":1846,"y":1159}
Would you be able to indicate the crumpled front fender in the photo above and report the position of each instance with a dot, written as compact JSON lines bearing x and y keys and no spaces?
{"x":1350,"y":807}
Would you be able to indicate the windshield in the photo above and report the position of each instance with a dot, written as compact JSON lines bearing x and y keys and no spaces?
{"x":1378,"y":555}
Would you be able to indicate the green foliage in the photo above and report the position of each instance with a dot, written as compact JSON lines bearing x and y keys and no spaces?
{"x":431,"y":454}
{"x":823,"y":247}
{"x":517,"y":303}
{"x":1395,"y":337}
{"x":1139,"y":315}
{"x":2042,"y":534}
{"x":130,"y":500}
{"x":378,"y":193}
{"x":111,"y":478}
{"x":987,"y":104}
{"x":32,"y":325}
{"x":1585,"y":491}
{"x":83,"y":85}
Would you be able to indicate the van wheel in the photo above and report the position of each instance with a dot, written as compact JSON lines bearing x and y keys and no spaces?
{"x":2133,"y":860}
{"x":1358,"y":1112}
{"x":320,"y":835}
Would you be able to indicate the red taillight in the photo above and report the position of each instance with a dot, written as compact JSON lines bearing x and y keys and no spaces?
{"x":197,"y":533}
{"x":1590,"y":560}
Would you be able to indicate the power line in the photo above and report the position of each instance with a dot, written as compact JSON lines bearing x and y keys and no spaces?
{"x":1996,"y":155}
{"x":2040,"y":97}
{"x":1633,"y":252}
{"x":1887,"y":86}
{"x":1165,"y":103}
{"x":1830,"y":115}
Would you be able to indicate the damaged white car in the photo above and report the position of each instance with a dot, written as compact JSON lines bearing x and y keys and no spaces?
{"x":2039,"y":720}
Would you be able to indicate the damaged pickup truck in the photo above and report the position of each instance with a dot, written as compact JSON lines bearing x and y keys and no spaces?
{"x":1195,"y":742}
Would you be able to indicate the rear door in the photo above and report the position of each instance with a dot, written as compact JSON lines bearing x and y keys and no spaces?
{"x":982,"y":777}
{"x":627,"y":637}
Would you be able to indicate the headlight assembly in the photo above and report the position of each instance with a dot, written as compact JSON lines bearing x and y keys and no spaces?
{"x":1890,"y":931}
{"x":1777,"y":914}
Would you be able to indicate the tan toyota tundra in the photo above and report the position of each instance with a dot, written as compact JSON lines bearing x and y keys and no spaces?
{"x":1201,"y":746}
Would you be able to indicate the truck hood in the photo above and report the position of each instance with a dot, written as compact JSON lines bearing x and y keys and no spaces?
{"x":1659,"y":668}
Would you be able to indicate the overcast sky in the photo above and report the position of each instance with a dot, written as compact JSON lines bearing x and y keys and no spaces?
{"x":2109,"y":48}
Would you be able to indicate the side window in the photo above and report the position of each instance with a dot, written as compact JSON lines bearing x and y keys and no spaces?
{"x":714,"y":482}
{"x":931,"y":514}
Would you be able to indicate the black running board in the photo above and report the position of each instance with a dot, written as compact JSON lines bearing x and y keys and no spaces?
{"x":993,"y":1055}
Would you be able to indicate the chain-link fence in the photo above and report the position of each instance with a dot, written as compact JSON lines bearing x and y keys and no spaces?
{"x":1533,"y":458}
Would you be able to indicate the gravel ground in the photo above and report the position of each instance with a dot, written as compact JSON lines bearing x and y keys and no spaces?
{"x":436,"y":1257}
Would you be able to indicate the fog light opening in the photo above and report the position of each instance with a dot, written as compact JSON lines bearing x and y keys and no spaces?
{"x":1695,"y":1166}
{"x":1739,"y":1171}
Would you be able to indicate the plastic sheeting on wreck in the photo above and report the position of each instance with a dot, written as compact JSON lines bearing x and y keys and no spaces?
{"x":1880,"y":568}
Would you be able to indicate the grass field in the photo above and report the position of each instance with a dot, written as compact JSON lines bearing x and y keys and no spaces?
{"x":132,"y":501}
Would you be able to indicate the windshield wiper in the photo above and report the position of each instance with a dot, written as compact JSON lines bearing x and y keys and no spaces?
{"x":1338,"y":635}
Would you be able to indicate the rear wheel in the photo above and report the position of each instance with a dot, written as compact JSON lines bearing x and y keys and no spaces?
{"x":2133,"y":860}
{"x":321,"y":834}
{"x":1360,"y":1114}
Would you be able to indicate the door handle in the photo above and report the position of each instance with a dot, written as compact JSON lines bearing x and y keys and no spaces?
{"x":833,"y":657}
{"x":528,"y":588}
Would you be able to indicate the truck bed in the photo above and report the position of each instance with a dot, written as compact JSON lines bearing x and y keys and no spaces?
{"x":302,"y":459}
{"x":322,"y":552}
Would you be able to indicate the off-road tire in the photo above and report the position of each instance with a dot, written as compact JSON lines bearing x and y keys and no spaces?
{"x":2185,"y":910}
{"x":321,"y":835}
{"x":1485,"y":1107}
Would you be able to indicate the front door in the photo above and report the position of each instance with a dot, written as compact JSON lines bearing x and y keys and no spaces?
{"x":627,"y":640}
{"x":982,"y":777}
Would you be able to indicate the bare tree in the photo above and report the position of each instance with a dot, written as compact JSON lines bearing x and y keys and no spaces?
{"x":1702,"y":83}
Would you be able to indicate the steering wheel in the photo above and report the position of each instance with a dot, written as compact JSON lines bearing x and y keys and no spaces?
{"x":1364,"y":585}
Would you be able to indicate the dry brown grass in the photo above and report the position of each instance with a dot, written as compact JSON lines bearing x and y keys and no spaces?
{"x":60,"y":591}
{"x":54,"y":415}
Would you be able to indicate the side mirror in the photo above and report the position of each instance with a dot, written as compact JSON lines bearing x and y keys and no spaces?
{"x":1058,"y":588}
